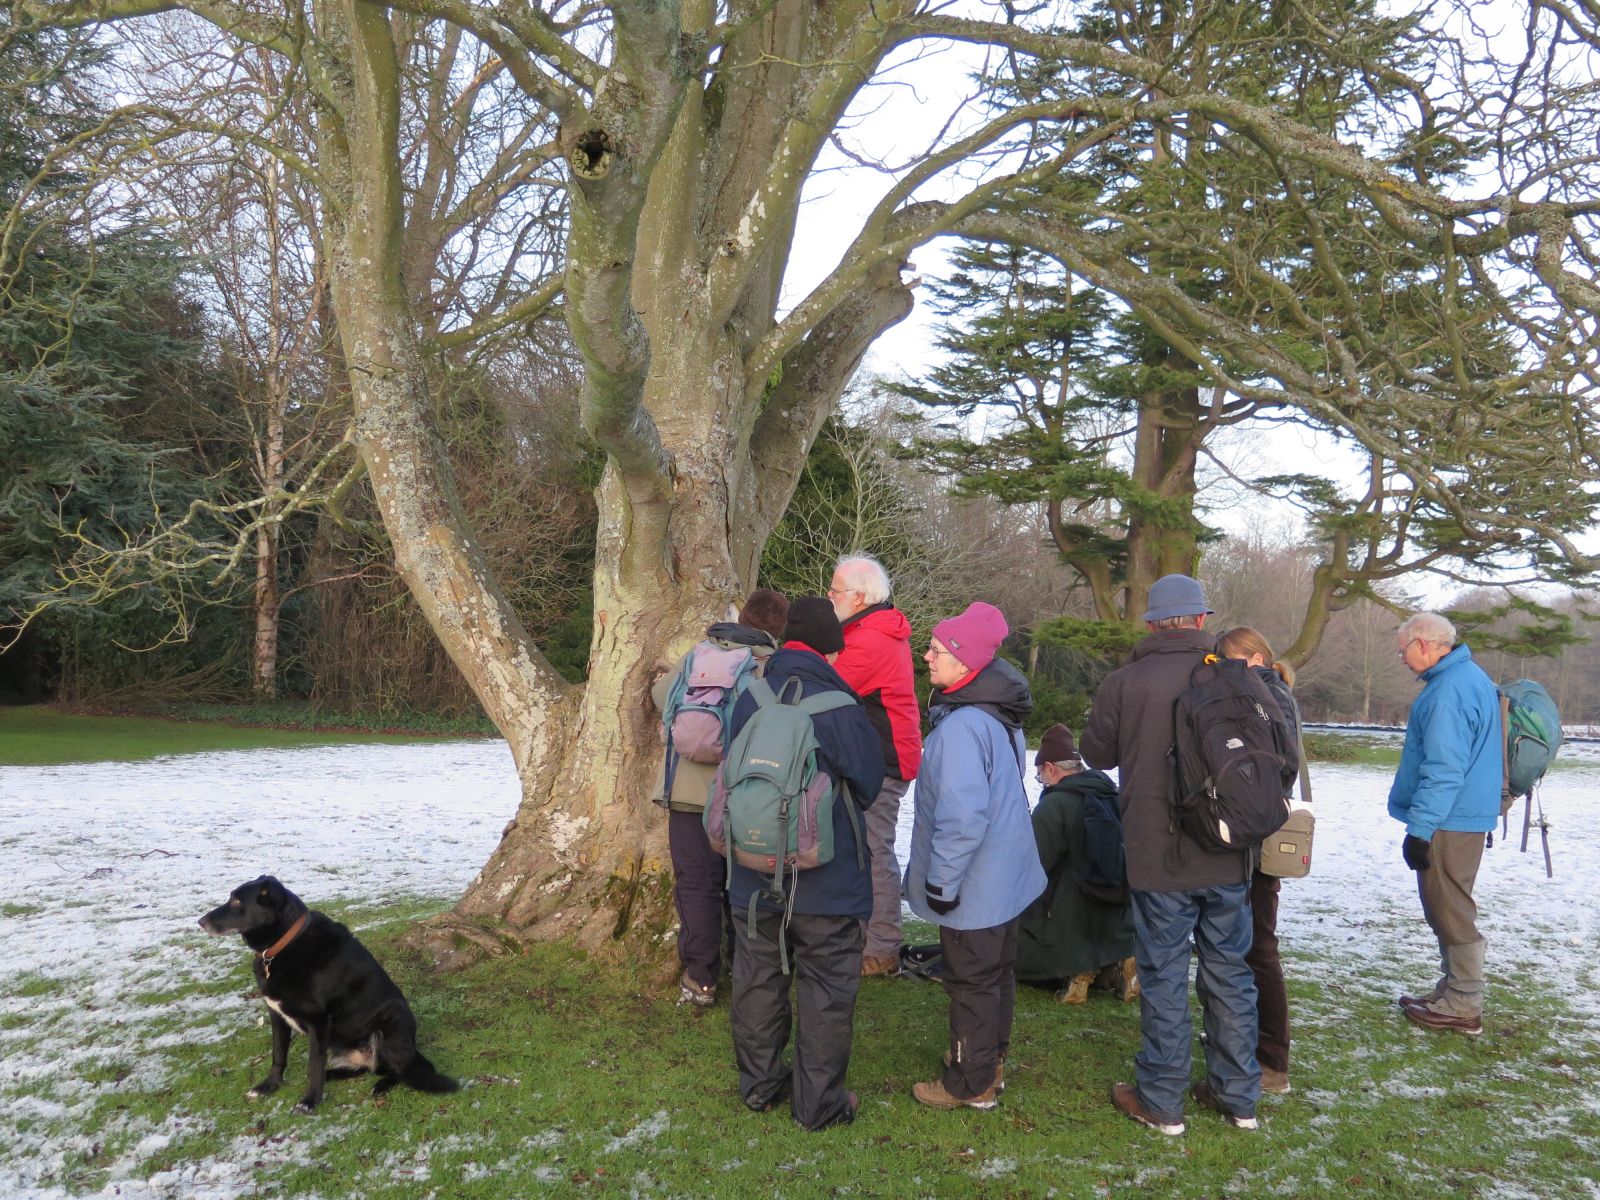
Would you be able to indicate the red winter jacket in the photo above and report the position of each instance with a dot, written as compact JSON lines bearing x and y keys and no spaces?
{"x":876,"y":663}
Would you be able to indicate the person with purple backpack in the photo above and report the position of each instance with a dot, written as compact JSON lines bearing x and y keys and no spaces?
{"x":694,"y":720}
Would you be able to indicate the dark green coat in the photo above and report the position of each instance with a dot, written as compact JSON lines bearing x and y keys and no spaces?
{"x":1065,"y":933}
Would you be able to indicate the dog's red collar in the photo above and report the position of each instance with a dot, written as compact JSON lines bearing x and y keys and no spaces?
{"x":271,"y":952}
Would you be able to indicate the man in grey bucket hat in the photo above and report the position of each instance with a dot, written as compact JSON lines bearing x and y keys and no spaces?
{"x":1180,"y":889}
{"x":1175,"y":596}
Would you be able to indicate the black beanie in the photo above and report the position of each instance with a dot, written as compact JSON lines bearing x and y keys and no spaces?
{"x":813,"y":622}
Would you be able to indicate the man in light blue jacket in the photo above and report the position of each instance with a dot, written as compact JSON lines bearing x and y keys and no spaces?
{"x":973,"y":866}
{"x":1447,"y":794}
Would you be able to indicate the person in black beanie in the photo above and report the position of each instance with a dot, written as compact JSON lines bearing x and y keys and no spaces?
{"x":830,"y":901}
{"x":813,"y":626}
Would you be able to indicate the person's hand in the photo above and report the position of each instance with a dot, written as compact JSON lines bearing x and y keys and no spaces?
{"x":1417,"y":853}
{"x":938,"y":902}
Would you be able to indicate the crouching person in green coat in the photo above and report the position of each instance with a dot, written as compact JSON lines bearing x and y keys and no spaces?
{"x":1080,"y":931}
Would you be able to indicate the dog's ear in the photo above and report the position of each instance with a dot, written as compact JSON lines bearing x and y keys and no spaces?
{"x":269,"y":891}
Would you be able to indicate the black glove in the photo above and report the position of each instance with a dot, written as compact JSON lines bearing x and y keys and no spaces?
{"x":937,"y":902}
{"x":1417,"y":853}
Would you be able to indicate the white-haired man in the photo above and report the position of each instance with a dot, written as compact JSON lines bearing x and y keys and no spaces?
{"x":876,"y":663}
{"x":1446,"y":793}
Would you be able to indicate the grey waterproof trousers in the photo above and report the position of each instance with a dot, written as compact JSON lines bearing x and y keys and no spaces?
{"x":825,"y":958}
{"x":980,"y":977}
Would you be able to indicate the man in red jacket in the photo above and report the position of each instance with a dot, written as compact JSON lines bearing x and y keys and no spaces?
{"x":876,"y":663}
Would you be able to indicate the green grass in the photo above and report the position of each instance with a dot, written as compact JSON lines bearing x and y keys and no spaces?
{"x":1375,"y":752}
{"x":38,"y":736}
{"x":584,"y":1082}
{"x":298,"y":714}
{"x":1348,"y":748}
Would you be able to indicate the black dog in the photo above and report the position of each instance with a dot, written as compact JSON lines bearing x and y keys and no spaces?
{"x":317,"y":979}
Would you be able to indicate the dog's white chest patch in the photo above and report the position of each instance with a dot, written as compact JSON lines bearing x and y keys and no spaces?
{"x":278,"y":1008}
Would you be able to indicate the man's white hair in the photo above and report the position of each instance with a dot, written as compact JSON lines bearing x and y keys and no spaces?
{"x":1429,"y":627}
{"x":864,"y":574}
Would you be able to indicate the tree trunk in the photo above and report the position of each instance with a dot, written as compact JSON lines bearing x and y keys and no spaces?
{"x":705,"y":410}
{"x":1162,"y":533}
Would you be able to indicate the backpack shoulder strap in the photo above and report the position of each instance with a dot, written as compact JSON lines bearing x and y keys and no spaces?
{"x":1505,"y":743}
{"x":762,"y":691}
{"x":1305,"y":763}
{"x":822,"y":702}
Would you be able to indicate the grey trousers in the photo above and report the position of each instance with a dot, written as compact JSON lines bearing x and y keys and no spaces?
{"x":825,"y":955}
{"x":1445,"y":889}
{"x":882,"y":929}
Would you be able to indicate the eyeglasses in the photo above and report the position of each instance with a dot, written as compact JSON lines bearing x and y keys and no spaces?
{"x":833,"y":591}
{"x":940,"y":651}
{"x":1401,"y":653}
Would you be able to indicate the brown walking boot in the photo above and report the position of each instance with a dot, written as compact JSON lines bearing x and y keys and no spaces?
{"x":1206,"y":1098}
{"x":1125,"y":1099}
{"x":1128,"y":989}
{"x":934,"y":1095}
{"x":999,"y":1072}
{"x":1431,"y":1018}
{"x":1077,"y":990}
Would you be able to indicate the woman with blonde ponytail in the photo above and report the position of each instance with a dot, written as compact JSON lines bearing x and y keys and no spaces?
{"x":1272,"y":1000}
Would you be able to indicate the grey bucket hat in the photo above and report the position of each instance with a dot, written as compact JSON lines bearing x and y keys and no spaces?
{"x":1176,"y":596}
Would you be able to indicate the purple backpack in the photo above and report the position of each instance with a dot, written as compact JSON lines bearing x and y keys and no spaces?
{"x":700,"y":704}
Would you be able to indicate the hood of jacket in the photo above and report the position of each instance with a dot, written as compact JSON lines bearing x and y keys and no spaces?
{"x":883,"y":618}
{"x":1084,"y":782}
{"x":999,"y":690}
{"x":806,"y":665}
{"x":1174,"y":641}
{"x":735,"y":634}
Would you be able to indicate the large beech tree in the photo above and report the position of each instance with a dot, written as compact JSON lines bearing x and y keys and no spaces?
{"x":688,"y":131}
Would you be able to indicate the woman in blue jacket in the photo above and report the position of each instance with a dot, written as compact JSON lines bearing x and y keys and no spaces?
{"x":974,"y":866}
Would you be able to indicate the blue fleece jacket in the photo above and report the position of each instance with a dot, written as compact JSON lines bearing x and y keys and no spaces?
{"x":972,"y":838}
{"x":1450,"y":774}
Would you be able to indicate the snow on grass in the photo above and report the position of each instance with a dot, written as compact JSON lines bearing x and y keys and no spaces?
{"x":105,"y":869}
{"x":647,"y":1130}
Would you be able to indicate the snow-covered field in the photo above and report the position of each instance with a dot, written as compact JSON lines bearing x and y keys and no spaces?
{"x":105,"y":868}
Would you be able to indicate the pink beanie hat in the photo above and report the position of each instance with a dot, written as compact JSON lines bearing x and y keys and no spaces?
{"x":974,"y":636}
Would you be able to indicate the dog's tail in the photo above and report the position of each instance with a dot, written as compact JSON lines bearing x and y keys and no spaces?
{"x":424,"y":1076}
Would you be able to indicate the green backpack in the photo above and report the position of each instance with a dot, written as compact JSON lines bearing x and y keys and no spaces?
{"x":1532,"y":729}
{"x":772,"y":808}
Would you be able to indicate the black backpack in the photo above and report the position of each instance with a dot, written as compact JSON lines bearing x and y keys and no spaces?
{"x":1105,"y":873}
{"x":1233,"y":756}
